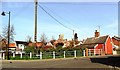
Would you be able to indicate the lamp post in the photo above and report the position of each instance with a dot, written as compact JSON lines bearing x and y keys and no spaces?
{"x":7,"y":48}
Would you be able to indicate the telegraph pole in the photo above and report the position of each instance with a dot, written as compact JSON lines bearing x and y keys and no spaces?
{"x":35,"y":21}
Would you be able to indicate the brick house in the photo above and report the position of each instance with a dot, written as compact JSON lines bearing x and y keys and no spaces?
{"x":99,"y":42}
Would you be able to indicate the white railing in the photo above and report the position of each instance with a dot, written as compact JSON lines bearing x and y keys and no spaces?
{"x":45,"y":55}
{"x":54,"y":54}
{"x":92,"y":52}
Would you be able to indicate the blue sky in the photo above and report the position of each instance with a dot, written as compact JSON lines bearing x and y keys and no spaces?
{"x":83,"y":17}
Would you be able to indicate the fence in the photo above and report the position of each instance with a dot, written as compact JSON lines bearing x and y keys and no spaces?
{"x":92,"y":52}
{"x":45,"y":55}
{"x":53,"y":54}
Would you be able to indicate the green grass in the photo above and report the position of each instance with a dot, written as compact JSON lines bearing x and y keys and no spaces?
{"x":23,"y":58}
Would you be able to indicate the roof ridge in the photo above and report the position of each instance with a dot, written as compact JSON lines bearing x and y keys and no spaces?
{"x":98,"y":37}
{"x":94,"y":40}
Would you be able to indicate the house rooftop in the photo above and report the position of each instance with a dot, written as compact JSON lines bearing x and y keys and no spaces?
{"x":12,"y":45}
{"x":38,"y":44}
{"x":117,"y":38}
{"x":20,"y":42}
{"x":95,"y":40}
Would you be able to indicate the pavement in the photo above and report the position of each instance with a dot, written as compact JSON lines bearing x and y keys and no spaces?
{"x":69,"y":63}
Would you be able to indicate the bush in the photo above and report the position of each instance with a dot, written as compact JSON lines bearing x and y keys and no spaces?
{"x":118,"y":51}
{"x":29,"y":49}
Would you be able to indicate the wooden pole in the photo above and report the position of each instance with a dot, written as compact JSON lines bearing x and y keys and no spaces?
{"x":35,"y":21}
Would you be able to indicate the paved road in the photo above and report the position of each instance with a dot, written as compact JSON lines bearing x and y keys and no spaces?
{"x":54,"y":63}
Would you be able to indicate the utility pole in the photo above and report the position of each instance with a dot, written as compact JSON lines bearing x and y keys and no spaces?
{"x":35,"y":20}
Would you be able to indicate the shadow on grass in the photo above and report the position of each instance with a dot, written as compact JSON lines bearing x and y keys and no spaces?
{"x":110,"y":60}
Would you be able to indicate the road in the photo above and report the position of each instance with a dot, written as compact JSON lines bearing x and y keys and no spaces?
{"x":54,"y":63}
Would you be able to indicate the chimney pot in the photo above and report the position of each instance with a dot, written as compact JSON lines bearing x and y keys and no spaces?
{"x":97,"y":34}
{"x":95,"y":30}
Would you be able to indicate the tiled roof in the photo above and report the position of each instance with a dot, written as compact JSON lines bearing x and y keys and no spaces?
{"x":96,"y":40}
{"x":116,"y":38}
{"x":89,"y":46}
{"x":38,"y":44}
{"x":12,"y":45}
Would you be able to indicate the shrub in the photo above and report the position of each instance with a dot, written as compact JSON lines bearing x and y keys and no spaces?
{"x":29,"y":49}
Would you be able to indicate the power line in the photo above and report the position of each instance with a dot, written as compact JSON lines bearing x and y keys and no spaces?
{"x":61,"y":18}
{"x":54,"y":17}
{"x":57,"y":15}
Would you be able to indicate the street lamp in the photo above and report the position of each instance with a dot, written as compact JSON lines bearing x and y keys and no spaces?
{"x":7,"y":48}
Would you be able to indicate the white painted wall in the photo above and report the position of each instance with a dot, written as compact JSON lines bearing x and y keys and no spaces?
{"x":21,"y":46}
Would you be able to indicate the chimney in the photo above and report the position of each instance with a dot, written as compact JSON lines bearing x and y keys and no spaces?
{"x":97,"y":34}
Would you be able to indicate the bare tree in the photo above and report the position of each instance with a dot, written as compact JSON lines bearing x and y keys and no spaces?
{"x":5,"y":32}
{"x":43,"y":38}
{"x":28,"y":38}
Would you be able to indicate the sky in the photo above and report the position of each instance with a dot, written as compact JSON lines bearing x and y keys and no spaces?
{"x":83,"y":17}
